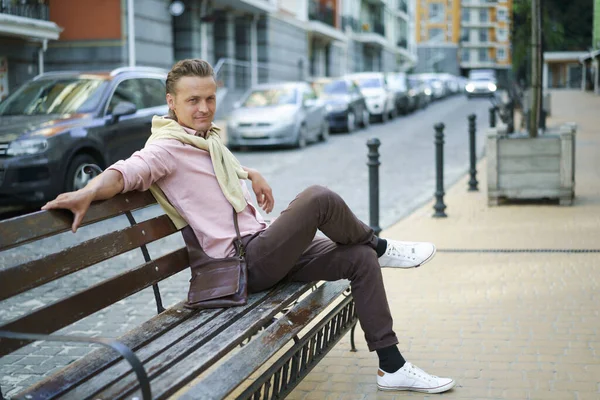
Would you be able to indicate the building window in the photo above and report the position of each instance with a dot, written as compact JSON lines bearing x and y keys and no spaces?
{"x":436,"y":12}
{"x":501,"y":34}
{"x":501,"y":54}
{"x":465,"y":15}
{"x":483,"y":15}
{"x":436,"y":35}
{"x":483,"y":55}
{"x":465,"y":55}
{"x":502,"y":15}
{"x":464,"y":34}
{"x":483,"y":35}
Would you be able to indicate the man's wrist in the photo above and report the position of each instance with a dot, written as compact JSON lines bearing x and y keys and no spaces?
{"x":251,"y":173}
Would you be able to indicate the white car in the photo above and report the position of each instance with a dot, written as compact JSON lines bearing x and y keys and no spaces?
{"x":481,"y":86}
{"x":379,"y":97}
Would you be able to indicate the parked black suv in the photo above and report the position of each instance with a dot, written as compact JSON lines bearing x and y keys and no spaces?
{"x":57,"y":123}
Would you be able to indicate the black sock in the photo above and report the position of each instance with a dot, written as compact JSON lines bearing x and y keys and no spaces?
{"x":390,"y":359}
{"x":381,"y":246}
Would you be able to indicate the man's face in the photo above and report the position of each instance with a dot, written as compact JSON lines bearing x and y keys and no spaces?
{"x":194,"y":102}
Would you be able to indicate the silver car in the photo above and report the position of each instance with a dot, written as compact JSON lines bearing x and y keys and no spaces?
{"x":287,"y":114}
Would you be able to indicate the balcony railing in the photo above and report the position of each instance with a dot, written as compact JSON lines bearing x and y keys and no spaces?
{"x":319,"y":12}
{"x":378,"y":27}
{"x":402,"y":6}
{"x":25,"y":8}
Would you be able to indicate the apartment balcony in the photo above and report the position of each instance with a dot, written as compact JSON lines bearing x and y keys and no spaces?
{"x":370,"y":33}
{"x":322,"y":22}
{"x":402,"y":43}
{"x":403,"y":6}
{"x":250,"y":6}
{"x":478,"y":24}
{"x":478,"y":3}
{"x":27,"y":9}
{"x":29,"y":19}
{"x":473,"y":44}
{"x":318,"y":11}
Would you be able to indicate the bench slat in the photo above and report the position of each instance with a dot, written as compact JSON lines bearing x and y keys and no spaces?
{"x":26,"y":276}
{"x":64,"y":312}
{"x":182,"y":362}
{"x":100,"y":359}
{"x":20,"y":230}
{"x":227,"y":376}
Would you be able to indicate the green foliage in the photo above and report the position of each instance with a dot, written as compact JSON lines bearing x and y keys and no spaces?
{"x":567,"y":26}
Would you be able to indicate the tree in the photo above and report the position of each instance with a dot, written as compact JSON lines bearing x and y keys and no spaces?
{"x":566,"y":26}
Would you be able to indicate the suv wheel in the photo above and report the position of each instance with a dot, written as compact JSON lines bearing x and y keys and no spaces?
{"x":76,"y":177}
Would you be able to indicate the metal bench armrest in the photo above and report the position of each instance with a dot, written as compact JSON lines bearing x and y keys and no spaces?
{"x":115,"y":345}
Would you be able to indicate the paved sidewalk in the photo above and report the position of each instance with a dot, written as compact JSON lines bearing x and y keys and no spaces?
{"x":504,"y":325}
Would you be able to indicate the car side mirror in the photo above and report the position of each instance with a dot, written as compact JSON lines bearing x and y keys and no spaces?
{"x":121,"y":109}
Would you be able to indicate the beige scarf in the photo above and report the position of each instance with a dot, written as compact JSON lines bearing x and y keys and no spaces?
{"x":227,"y":168}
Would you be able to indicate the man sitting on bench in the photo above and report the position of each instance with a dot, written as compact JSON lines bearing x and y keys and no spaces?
{"x":197,"y":180}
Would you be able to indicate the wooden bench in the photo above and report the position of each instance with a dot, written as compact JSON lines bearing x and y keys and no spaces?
{"x":205,"y":352}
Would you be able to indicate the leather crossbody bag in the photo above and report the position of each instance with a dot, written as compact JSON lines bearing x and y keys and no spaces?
{"x":216,"y":282}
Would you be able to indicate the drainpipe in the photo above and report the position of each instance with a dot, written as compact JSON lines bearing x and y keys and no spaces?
{"x":41,"y":52}
{"x":131,"y":33}
{"x":254,"y":50}
{"x":203,"y":33}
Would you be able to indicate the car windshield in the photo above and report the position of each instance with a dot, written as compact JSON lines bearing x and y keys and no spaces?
{"x":335,"y":88}
{"x":271,"y":97}
{"x":397,"y":82}
{"x":366,"y":83}
{"x":54,"y":96}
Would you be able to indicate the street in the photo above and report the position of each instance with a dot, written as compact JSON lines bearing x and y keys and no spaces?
{"x":407,"y":179}
{"x":407,"y":156}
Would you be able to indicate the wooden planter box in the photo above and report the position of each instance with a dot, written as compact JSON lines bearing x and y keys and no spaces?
{"x":520,"y":167}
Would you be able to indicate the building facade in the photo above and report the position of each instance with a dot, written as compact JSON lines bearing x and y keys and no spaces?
{"x":26,"y":30}
{"x":437,"y":35}
{"x":247,"y":41}
{"x":456,"y":36}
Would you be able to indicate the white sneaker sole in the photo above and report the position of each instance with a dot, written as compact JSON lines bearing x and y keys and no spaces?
{"x":430,"y":256}
{"x":438,"y":389}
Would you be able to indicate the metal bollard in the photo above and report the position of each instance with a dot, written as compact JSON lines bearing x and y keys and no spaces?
{"x":511,"y":118}
{"x":373,"y":163}
{"x":493,"y":117}
{"x":472,"y":154}
{"x":439,"y":206}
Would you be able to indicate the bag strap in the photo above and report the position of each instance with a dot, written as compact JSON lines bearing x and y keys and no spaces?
{"x":239,"y":245}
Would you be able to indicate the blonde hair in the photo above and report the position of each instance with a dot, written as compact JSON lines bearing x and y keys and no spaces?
{"x":188,"y":67}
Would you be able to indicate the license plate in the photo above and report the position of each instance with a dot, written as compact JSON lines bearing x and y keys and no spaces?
{"x":254,"y":135}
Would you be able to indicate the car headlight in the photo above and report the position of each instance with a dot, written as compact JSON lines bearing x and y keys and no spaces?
{"x":470,"y":87}
{"x":428,"y":92}
{"x":412,"y":92}
{"x":492,"y":87}
{"x":27,"y":147}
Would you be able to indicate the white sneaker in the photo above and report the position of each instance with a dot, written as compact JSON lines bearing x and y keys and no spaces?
{"x":406,"y":254}
{"x":413,"y":378}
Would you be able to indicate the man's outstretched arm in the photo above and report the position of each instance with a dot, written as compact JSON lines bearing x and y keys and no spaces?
{"x":106,"y":185}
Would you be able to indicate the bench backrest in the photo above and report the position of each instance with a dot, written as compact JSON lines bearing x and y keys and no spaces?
{"x":29,"y":229}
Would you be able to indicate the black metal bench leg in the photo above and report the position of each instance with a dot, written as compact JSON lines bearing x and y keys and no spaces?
{"x":352,"y":344}
{"x":159,"y":305}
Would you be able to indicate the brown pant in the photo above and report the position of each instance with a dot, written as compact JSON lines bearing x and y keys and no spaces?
{"x":289,"y":249}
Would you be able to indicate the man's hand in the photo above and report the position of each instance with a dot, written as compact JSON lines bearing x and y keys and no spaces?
{"x":102,"y":187}
{"x":77,"y":202}
{"x":262,"y":190}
